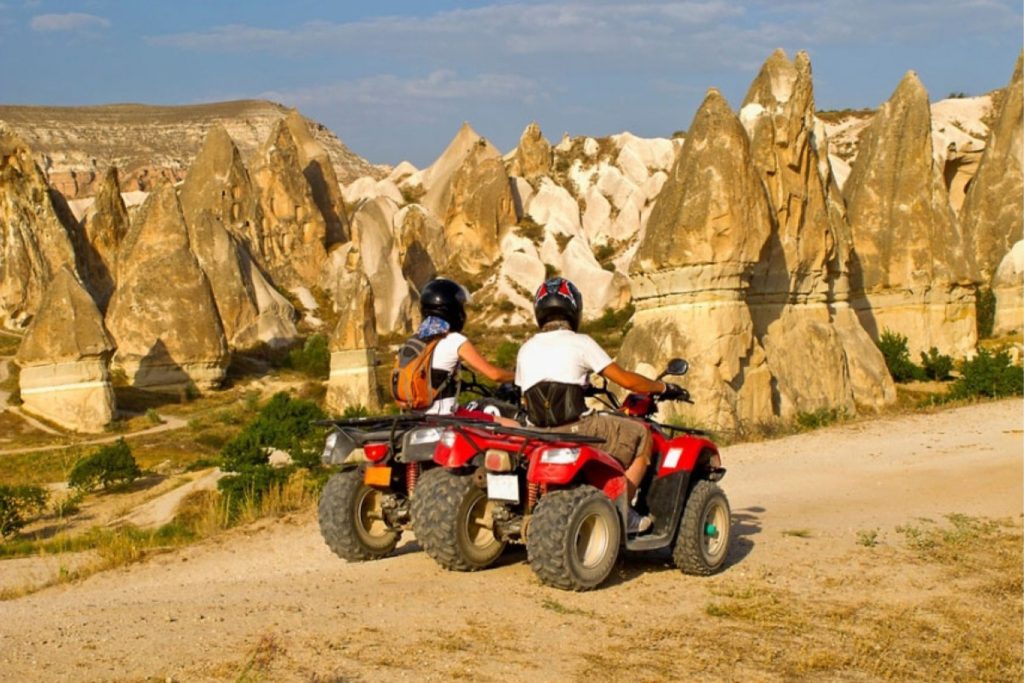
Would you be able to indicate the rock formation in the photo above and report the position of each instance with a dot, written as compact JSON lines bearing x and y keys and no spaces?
{"x":218,"y":202}
{"x":162,"y":315}
{"x":35,"y":242}
{"x":353,"y":381}
{"x":794,"y":282}
{"x":691,"y":271}
{"x":1008,"y":286}
{"x":323,"y":182}
{"x":289,"y":241}
{"x":533,"y":155}
{"x":993,"y":208}
{"x":103,"y":227}
{"x":64,"y":359}
{"x":911,"y":273}
{"x":422,"y":248}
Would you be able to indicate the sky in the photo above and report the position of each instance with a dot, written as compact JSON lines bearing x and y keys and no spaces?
{"x":395,"y":79}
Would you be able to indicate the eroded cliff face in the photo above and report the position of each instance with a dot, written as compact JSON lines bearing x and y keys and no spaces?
{"x":163,"y":316}
{"x":353,"y":343}
{"x":993,"y":211}
{"x":913,"y":272}
{"x":64,"y":359}
{"x":76,"y":145}
{"x":104,"y":226}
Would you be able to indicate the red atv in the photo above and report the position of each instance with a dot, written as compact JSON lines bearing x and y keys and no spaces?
{"x":365,"y":507}
{"x":566,"y":499}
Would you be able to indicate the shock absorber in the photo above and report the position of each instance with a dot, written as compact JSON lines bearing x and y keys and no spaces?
{"x":412,"y":475}
{"x":532,"y":492}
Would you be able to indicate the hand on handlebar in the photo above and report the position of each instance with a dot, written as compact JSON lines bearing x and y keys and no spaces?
{"x":674,"y":392}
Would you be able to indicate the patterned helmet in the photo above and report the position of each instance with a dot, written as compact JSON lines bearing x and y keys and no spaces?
{"x":558,"y":299}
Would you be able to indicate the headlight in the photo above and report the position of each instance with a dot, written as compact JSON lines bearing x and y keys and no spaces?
{"x":427,"y":435}
{"x":448,"y":438}
{"x":560,"y":456}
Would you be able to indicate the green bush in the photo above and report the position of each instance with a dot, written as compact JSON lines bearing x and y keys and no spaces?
{"x":985,"y":312}
{"x":358,"y":410}
{"x":506,"y":354}
{"x":109,"y":464}
{"x":935,"y":365}
{"x":988,"y":374}
{"x":313,"y":359}
{"x":897,"y":357}
{"x":16,"y":504}
{"x":822,"y":417}
{"x":283,"y":423}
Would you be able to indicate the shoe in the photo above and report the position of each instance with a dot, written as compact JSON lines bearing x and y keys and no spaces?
{"x":637,"y":523}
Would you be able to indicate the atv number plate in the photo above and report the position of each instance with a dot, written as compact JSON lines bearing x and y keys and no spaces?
{"x":377,"y":476}
{"x":503,"y":487}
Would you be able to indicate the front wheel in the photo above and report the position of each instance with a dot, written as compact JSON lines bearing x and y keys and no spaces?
{"x":452,"y":518}
{"x":702,"y":541}
{"x":573,"y":538}
{"x":352,"y":521}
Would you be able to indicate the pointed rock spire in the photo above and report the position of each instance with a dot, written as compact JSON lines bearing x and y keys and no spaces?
{"x":912,"y":273}
{"x":162,"y":315}
{"x":323,"y":182}
{"x":103,"y":227}
{"x":64,"y":359}
{"x":533,"y":155}
{"x":353,"y":380}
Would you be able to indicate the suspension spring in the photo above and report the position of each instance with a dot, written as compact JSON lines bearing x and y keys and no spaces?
{"x":412,"y":475}
{"x":532,"y":492}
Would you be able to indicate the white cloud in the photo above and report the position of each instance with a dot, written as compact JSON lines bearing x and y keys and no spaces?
{"x":72,"y":21}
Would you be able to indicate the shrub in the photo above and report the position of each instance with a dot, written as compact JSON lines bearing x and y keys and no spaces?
{"x":985,"y":312}
{"x":506,"y":354}
{"x":822,"y":417}
{"x":988,"y":374}
{"x":936,"y":365}
{"x":283,"y":423}
{"x":358,"y":410}
{"x":897,"y":357}
{"x":16,"y":504}
{"x":109,"y":464}
{"x":313,"y":359}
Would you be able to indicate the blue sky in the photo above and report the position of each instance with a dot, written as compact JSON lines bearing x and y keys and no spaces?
{"x":396,"y":79}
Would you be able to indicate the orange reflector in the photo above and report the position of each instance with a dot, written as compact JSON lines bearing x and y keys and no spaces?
{"x":497,"y":461}
{"x":377,"y":476}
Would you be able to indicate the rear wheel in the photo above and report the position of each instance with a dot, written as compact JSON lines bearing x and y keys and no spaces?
{"x":573,"y":538}
{"x":453,"y":521}
{"x":352,"y":521}
{"x":702,"y":541}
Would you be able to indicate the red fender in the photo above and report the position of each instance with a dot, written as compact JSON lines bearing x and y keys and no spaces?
{"x":681,"y":453}
{"x":597,"y":468}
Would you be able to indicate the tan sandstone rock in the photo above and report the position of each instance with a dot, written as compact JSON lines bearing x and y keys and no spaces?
{"x":422,"y":247}
{"x":353,"y":379}
{"x":533,"y":155}
{"x":218,"y":202}
{"x":792,"y":296}
{"x":65,"y":359}
{"x":162,"y":315}
{"x":34,"y":239}
{"x":690,"y":274}
{"x":911,"y":273}
{"x":993,"y":210}
{"x":289,"y":241}
{"x":323,"y":182}
{"x":103,"y":227}
{"x":1008,"y":286}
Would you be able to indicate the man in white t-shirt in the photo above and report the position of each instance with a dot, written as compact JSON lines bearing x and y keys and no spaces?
{"x":554,"y":366}
{"x":443,"y":306}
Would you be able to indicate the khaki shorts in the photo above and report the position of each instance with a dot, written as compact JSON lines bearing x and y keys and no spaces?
{"x":625,"y":438}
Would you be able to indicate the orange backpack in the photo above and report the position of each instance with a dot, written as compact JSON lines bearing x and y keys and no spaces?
{"x":410,"y":375}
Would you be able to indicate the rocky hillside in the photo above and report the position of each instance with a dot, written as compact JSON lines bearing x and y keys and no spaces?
{"x":75,"y":145}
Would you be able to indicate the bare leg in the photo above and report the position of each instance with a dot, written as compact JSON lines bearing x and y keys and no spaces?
{"x":635,"y":474}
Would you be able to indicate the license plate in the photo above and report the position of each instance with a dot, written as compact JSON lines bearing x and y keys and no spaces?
{"x":503,"y":487}
{"x":377,"y":476}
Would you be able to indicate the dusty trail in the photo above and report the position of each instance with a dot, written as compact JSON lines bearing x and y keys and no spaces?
{"x":275,"y":590}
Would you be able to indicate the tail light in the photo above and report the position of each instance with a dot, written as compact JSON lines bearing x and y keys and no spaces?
{"x":560,"y":456}
{"x":497,"y":461}
{"x":375,"y":452}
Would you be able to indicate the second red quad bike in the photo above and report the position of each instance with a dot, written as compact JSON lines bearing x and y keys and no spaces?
{"x":566,"y":499}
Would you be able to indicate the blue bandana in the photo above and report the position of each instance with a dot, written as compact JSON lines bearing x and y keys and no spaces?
{"x":432,"y":326}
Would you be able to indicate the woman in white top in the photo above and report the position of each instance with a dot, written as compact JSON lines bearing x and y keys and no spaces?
{"x":443,"y":306}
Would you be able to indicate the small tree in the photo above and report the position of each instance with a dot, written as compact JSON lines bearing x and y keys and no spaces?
{"x":313,"y":359}
{"x":16,"y":504}
{"x":109,"y":464}
{"x":897,"y":357}
{"x":988,"y":374}
{"x":935,"y":365}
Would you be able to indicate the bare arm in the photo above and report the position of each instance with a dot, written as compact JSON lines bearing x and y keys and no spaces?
{"x":472,"y":358}
{"x":632,"y":381}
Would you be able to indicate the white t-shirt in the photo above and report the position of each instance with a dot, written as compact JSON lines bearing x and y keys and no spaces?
{"x":559,"y":356}
{"x":446,"y":357}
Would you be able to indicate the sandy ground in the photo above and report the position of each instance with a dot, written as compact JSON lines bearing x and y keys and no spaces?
{"x":273,"y":599}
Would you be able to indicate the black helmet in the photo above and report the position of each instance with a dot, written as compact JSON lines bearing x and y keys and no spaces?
{"x":447,"y":300}
{"x":557,"y":299}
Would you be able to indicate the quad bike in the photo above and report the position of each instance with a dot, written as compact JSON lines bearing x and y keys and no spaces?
{"x":365,"y":506}
{"x":566,"y":499}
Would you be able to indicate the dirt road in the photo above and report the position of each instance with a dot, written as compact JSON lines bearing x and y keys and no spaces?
{"x":814,"y":517}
